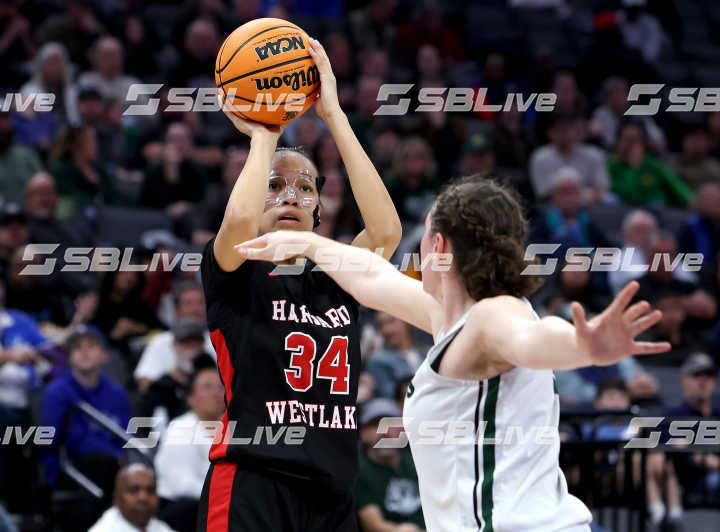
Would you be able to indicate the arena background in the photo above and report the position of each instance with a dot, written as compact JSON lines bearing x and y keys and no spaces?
{"x":86,"y":175}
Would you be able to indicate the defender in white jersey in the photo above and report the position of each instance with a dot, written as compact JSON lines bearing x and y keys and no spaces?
{"x":492,"y":370}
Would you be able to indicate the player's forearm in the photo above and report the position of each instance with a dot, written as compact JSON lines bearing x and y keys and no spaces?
{"x":549,"y":343}
{"x":355,"y":269}
{"x":382,"y":223}
{"x":247,"y":199}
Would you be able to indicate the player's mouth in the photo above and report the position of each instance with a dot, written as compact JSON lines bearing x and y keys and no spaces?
{"x":289,"y":218}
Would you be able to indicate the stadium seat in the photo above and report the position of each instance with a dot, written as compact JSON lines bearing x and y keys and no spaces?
{"x":123,"y":226}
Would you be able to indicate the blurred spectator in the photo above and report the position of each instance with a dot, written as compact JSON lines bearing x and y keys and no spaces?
{"x":694,"y":165}
{"x":639,"y":228}
{"x":77,"y":29}
{"x":53,"y":74}
{"x":16,"y":44}
{"x":478,"y":156}
{"x":398,"y":356}
{"x":701,"y":232}
{"x":13,"y":233}
{"x":138,"y":62}
{"x":371,"y":26}
{"x":81,"y":177}
{"x":211,"y":211}
{"x":639,"y":178}
{"x":159,"y":356}
{"x":362,"y":118}
{"x":108,"y":70}
{"x":386,"y":491}
{"x":177,"y":182}
{"x":611,"y":395}
{"x":122,"y":313}
{"x":412,"y":185}
{"x":91,"y":448}
{"x":180,"y":487}
{"x":385,"y":141}
{"x":17,"y":162}
{"x":165,"y":398}
{"x":606,"y":119}
{"x":196,"y":64}
{"x":565,"y":221}
{"x":713,"y":129}
{"x":428,"y":27}
{"x":513,"y":140}
{"x":135,"y":503}
{"x":36,"y":130}
{"x":566,"y":149}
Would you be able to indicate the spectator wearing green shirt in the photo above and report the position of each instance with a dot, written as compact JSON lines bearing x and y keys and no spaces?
{"x":386,"y":492}
{"x":81,"y":179}
{"x":641,"y":179}
{"x":18,"y":163}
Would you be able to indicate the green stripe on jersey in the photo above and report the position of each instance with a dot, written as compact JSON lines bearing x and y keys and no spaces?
{"x":489,"y":452}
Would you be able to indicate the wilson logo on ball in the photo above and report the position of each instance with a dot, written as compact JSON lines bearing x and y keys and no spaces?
{"x":294,"y":80}
{"x":282,"y":45}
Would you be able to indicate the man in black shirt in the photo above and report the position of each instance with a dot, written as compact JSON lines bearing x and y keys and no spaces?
{"x":288,"y":346}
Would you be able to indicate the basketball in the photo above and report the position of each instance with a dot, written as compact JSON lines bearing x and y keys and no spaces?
{"x":264,"y":67}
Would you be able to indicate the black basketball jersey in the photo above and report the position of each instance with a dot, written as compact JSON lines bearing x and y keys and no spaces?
{"x":288,"y":350}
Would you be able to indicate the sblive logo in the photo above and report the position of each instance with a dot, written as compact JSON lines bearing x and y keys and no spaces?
{"x":681,"y":99}
{"x":294,"y":80}
{"x":276,"y":47}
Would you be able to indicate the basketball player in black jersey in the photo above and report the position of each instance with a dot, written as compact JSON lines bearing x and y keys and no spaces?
{"x":287,"y":345}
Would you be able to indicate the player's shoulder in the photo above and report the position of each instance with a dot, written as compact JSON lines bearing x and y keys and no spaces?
{"x":489,"y":309}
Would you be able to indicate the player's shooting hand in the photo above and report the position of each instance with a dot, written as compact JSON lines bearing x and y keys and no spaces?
{"x":328,"y":102}
{"x":610,"y":336}
{"x":277,"y":246}
{"x":248,"y":127}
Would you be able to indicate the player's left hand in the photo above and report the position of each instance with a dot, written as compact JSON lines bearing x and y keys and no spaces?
{"x":276,"y":246}
{"x":328,"y":102}
{"x":610,"y":336}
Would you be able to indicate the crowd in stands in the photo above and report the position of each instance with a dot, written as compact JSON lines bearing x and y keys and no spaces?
{"x":129,"y":342}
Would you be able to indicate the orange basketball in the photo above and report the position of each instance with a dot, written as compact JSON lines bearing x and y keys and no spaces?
{"x":265,"y":66}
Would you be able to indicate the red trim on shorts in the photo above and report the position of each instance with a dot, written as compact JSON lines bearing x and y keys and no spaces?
{"x":221,"y":483}
{"x":219,"y":449}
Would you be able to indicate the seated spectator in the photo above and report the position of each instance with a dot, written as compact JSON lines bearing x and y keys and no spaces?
{"x":611,"y":395}
{"x":122,"y":313}
{"x":398,"y":355}
{"x":640,"y":179}
{"x":701,"y":232}
{"x":77,"y":28}
{"x":92,"y":449}
{"x":53,"y":74}
{"x":606,"y":119}
{"x":695,"y":472}
{"x":13,"y":232}
{"x":135,"y":503}
{"x":81,"y":178}
{"x":17,"y":44}
{"x":17,"y":162}
{"x":210,"y":212}
{"x":477,"y":156}
{"x":513,"y":140}
{"x":412,"y":186}
{"x":159,"y":356}
{"x":177,"y":182}
{"x":566,"y":149}
{"x":197,"y":60}
{"x":664,"y":279}
{"x":386,"y":491}
{"x":639,"y":228}
{"x":180,"y":487}
{"x":694,"y":165}
{"x":108,"y":65}
{"x":165,"y":398}
{"x":565,"y":220}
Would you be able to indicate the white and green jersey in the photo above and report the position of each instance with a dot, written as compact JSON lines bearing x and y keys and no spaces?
{"x":486,"y":452}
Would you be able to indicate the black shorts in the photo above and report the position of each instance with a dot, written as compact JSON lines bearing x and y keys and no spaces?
{"x":235,"y":498}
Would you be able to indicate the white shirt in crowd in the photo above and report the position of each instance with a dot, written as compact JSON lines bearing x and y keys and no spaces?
{"x":185,"y":442}
{"x":159,"y":356}
{"x":113,"y":521}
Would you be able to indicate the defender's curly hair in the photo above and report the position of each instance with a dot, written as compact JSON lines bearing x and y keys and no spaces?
{"x":485,"y":223}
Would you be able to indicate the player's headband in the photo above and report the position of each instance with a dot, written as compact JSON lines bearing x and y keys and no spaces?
{"x":299,"y":187}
